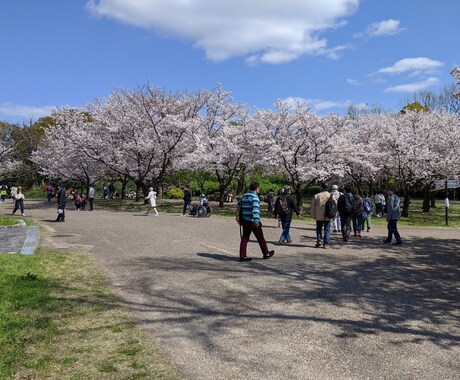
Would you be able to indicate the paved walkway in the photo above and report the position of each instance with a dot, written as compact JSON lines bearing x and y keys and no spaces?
{"x":18,"y":238}
{"x":362,"y":310}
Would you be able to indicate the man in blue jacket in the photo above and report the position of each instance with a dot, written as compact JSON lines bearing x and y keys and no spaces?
{"x":393,"y":215}
{"x":250,"y":221}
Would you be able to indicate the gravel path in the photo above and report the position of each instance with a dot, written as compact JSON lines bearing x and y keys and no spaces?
{"x":362,"y":310}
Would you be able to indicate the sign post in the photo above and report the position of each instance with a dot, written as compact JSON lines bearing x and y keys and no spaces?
{"x":447,"y":202}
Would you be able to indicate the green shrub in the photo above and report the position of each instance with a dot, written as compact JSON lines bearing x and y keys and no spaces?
{"x":175,"y":193}
{"x":35,"y":192}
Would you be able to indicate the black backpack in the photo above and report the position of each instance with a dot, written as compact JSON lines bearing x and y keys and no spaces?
{"x":331,"y":207}
{"x":283,"y":206}
{"x":346,"y":204}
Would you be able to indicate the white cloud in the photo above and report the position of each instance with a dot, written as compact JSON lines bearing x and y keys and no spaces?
{"x":317,"y":104}
{"x":388,"y":27}
{"x":16,"y":111}
{"x":413,"y":87}
{"x":416,"y":65}
{"x":276,"y":31}
{"x":353,"y":82}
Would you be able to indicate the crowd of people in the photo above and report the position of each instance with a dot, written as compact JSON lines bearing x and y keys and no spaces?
{"x":349,"y":212}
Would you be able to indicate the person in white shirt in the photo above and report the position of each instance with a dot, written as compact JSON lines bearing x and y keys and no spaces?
{"x":336,"y":194}
{"x":378,"y":204}
{"x":19,"y":201}
{"x":91,"y":197}
{"x":152,"y":201}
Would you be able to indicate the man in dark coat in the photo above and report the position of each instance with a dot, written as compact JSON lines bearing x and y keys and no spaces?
{"x":187,"y":200}
{"x":346,"y":207}
{"x":284,"y":206}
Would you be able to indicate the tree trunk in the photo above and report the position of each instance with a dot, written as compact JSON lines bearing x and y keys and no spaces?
{"x":405,"y":210}
{"x":221,"y":195}
{"x":426,"y":199}
{"x":299,"y":195}
{"x":138,"y":188}
{"x":241,"y":179}
{"x":124,"y":183}
{"x":432,"y":199}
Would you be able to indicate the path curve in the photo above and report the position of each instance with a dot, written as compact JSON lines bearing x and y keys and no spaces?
{"x":356,"y":311}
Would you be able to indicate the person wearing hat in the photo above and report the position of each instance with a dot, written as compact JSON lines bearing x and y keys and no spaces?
{"x":336,"y":223}
{"x":152,"y":201}
{"x":283,"y":208}
{"x":318,"y":212}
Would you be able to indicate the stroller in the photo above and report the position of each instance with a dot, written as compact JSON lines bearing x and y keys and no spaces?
{"x":203,"y":209}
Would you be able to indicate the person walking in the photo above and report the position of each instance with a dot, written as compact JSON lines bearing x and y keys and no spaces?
{"x":91,"y":194}
{"x":318,"y":212}
{"x":367,"y":211}
{"x":61,"y":203}
{"x":111,"y":190}
{"x":49,"y":192}
{"x":357,"y":215}
{"x":336,"y":222}
{"x":284,"y":207}
{"x":346,"y":206}
{"x":250,"y":222}
{"x":19,"y":202}
{"x":187,"y":200}
{"x":378,"y":204}
{"x":152,"y":201}
{"x":271,"y":200}
{"x":393,"y":215}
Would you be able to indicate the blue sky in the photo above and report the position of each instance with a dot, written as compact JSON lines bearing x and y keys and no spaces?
{"x":330,"y":53}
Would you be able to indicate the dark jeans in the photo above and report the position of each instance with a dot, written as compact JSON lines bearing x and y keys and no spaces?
{"x":392,"y":227}
{"x":61,"y":216}
{"x":345,"y":221}
{"x":319,"y":231}
{"x":357,"y":224}
{"x":91,"y":200}
{"x":187,"y":205}
{"x":270,"y":205}
{"x":19,"y":204}
{"x":49,"y":196}
{"x":249,"y":227}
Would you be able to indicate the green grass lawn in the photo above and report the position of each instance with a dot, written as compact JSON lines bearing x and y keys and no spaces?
{"x":8,"y":221}
{"x":60,"y":320}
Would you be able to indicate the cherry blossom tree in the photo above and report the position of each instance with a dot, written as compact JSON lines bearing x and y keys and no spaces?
{"x":415,"y":148}
{"x":224,"y":141}
{"x":8,"y":150}
{"x":139,"y":134}
{"x":302,"y":143}
{"x":59,"y":156}
{"x":360,"y":152}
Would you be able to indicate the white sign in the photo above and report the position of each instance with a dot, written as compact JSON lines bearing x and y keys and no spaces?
{"x":451,"y":184}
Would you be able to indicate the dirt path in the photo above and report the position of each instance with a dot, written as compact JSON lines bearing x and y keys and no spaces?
{"x":362,"y":310}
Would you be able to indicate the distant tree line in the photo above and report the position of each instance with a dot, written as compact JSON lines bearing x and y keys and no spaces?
{"x":147,"y":135}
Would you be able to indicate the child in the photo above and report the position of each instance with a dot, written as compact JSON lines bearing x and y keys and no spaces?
{"x":83,"y":202}
{"x":77,"y":202}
